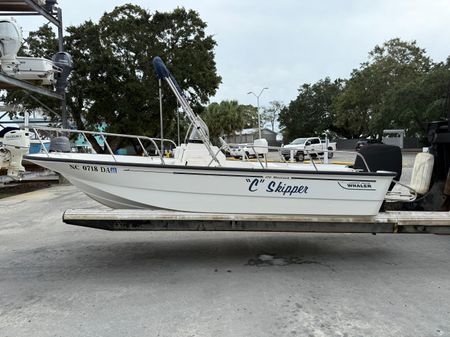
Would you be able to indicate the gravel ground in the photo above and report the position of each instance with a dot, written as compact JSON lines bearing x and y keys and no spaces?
{"x":61,"y":280}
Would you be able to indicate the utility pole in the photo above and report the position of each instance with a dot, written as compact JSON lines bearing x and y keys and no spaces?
{"x":65,"y":123}
{"x":257,"y":102}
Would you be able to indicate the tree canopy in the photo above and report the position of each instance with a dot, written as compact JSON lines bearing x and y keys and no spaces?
{"x":363,"y":107}
{"x":114,"y":87}
{"x":311,"y":113}
{"x":229,"y":116}
{"x":113,"y":84}
{"x":270,"y":114}
{"x":398,"y":87}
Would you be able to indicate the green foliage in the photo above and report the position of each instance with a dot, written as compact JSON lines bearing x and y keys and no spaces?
{"x":380,"y":93}
{"x":270,"y":114}
{"x":311,"y":113}
{"x":40,"y":43}
{"x":229,"y":116}
{"x":398,"y":87}
{"x":113,"y":83}
{"x":115,"y":66}
{"x":420,"y":101}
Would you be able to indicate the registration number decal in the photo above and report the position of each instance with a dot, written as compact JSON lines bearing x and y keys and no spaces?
{"x":93,"y":168}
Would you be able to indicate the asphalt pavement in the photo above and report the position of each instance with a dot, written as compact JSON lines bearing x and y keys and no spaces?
{"x":62,"y":280}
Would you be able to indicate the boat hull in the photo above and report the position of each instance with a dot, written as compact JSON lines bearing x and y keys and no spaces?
{"x":223,"y":190}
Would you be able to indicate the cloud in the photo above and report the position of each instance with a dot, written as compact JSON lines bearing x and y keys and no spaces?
{"x":282,"y":44}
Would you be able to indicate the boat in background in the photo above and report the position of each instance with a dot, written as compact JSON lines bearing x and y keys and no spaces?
{"x":36,"y":145}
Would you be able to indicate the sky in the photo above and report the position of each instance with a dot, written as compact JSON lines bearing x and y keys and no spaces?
{"x":285,"y":43}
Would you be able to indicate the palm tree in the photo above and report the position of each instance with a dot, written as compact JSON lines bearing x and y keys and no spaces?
{"x":227,"y":117}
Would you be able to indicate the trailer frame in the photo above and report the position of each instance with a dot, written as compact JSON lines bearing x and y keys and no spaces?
{"x":393,"y":222}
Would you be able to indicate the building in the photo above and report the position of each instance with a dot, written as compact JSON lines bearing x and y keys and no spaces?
{"x":394,"y":137}
{"x":245,"y":136}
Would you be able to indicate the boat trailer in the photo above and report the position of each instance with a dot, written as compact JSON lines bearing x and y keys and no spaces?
{"x":406,"y":222}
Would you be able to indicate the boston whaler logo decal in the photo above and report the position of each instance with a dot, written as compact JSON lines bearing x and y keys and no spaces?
{"x":271,"y":186}
{"x":357,"y":185}
{"x":93,"y":168}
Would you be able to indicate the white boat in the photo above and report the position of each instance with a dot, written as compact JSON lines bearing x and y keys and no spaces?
{"x":200,"y":179}
{"x":232,"y":187}
{"x":37,"y":69}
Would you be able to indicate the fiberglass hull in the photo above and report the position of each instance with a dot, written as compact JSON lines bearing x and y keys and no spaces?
{"x":222,"y":189}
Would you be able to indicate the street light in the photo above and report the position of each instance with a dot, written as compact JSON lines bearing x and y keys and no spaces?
{"x":257,"y":100}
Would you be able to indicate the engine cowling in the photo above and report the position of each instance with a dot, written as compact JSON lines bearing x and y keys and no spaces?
{"x":16,"y":144}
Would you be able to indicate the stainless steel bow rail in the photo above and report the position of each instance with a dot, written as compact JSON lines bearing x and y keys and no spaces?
{"x":42,"y":133}
{"x":148,"y":220}
{"x":140,"y":139}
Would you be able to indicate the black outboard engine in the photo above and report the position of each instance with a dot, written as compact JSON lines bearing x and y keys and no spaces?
{"x":49,"y":5}
{"x":439,"y":138}
{"x":64,"y":61}
{"x":381,"y":157}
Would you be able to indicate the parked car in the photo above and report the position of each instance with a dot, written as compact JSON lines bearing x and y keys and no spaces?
{"x":239,"y":151}
{"x":364,"y":142}
{"x":306,"y":147}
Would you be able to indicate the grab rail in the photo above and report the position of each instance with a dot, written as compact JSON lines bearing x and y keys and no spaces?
{"x":103,"y":135}
{"x":279,"y":150}
{"x":154,"y":142}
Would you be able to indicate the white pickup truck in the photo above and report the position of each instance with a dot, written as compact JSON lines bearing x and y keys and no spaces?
{"x":302,"y":148}
{"x":258,"y":148}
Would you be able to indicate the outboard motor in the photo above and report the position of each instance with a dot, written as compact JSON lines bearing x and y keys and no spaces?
{"x":439,"y":137}
{"x":64,"y":61}
{"x":10,"y":42}
{"x":60,"y":144}
{"x":4,"y":131}
{"x":16,"y":144}
{"x":24,"y":68}
{"x":49,"y":5}
{"x":381,"y":157}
